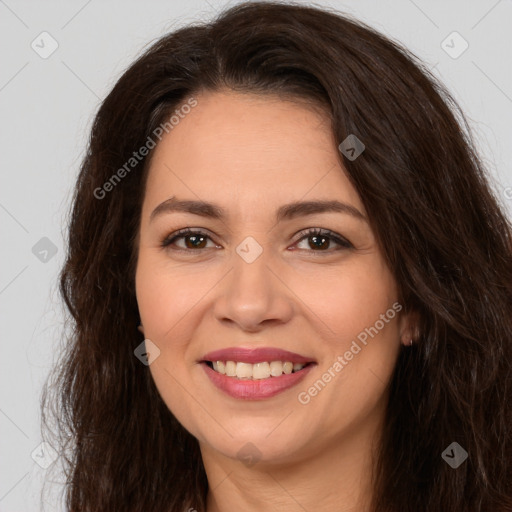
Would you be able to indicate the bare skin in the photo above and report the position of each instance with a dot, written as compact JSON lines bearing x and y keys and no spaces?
{"x":251,"y":155}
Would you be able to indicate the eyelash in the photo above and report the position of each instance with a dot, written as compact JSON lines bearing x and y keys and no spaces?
{"x":182,"y":233}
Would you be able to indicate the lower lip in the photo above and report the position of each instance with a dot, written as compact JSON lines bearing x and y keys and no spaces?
{"x":259,"y":389}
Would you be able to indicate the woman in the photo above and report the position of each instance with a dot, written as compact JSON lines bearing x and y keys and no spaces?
{"x":290,"y":282}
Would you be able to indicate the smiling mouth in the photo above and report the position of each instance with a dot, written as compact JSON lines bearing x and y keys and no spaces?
{"x":256,"y":371}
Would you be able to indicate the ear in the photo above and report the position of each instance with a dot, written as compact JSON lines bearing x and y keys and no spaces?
{"x":409,"y":328}
{"x":140,"y":328}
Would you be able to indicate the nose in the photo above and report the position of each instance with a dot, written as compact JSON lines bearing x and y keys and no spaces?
{"x":253,"y":295}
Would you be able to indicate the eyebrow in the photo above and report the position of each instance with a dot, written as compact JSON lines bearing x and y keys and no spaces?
{"x":285,"y":212}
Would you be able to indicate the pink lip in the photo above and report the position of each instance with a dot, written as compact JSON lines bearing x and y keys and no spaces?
{"x":247,"y":389}
{"x":255,"y":355}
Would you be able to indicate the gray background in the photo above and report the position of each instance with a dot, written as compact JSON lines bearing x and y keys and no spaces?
{"x":47,"y":106}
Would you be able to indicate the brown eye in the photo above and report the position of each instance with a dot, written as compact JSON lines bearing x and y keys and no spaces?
{"x":319,"y":240}
{"x":193,"y":240}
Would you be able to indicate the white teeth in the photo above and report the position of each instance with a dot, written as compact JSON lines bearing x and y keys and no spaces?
{"x":243,"y":370}
{"x":261,"y":370}
{"x":287,"y":367}
{"x":276,"y":368}
{"x":230,"y":368}
{"x":256,"y":371}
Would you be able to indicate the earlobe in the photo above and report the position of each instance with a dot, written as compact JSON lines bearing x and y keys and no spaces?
{"x":140,"y":328}
{"x":409,"y":328}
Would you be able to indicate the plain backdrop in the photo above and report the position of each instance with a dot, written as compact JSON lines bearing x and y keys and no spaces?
{"x":47,"y":104}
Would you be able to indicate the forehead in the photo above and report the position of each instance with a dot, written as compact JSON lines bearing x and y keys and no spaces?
{"x":249,"y":148}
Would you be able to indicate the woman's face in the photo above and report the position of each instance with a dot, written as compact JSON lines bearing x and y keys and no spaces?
{"x":256,"y":279}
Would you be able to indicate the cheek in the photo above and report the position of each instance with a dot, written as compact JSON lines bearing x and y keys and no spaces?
{"x":165,"y":296}
{"x":356,"y":313}
{"x":346,"y":300}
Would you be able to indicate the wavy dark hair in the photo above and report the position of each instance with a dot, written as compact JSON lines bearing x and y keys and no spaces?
{"x":434,"y":211}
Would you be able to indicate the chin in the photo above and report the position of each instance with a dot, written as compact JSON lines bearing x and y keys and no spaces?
{"x":251,"y":445}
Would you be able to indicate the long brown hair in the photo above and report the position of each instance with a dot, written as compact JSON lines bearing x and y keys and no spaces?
{"x":440,"y":226}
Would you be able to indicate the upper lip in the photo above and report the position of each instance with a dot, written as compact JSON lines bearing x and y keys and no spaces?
{"x":255,"y":355}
